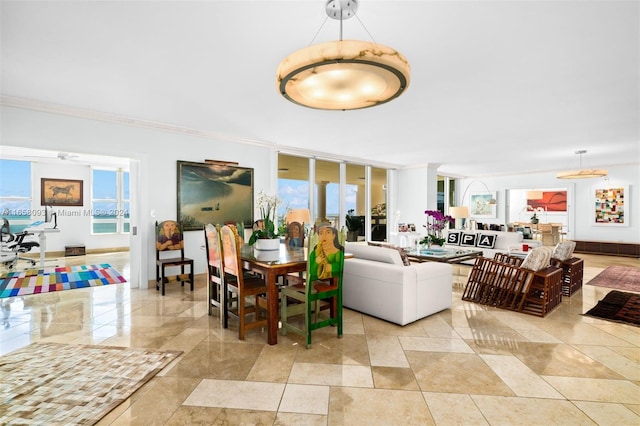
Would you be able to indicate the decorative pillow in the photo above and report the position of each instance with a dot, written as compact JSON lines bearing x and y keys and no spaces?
{"x":403,"y":254}
{"x":564,"y":250}
{"x":487,"y":241}
{"x":453,"y":238}
{"x":468,"y":240}
{"x":537,"y":259}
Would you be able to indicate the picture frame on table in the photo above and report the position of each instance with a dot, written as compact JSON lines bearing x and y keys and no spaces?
{"x":214,"y":192}
{"x":479,"y":206}
{"x":61,"y":192}
{"x":611,"y":206}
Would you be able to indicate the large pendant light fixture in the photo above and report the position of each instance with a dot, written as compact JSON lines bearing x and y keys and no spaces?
{"x":343,"y":74}
{"x":582,"y":173}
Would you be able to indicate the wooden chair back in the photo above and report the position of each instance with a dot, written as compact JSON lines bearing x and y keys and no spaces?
{"x":249,"y":288}
{"x":322,"y":284}
{"x":215,"y":275}
{"x":170,"y":254}
{"x":295,"y":235}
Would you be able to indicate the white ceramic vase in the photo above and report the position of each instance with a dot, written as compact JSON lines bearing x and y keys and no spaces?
{"x":267,"y":255}
{"x":267,"y":244}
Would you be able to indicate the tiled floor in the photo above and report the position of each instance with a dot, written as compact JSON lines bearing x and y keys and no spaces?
{"x":467,"y":365}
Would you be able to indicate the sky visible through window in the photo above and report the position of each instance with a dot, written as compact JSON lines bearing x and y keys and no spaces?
{"x":15,"y":182}
{"x":295,"y":195}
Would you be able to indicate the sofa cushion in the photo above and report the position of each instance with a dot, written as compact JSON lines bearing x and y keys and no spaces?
{"x":468,"y":239}
{"x":453,"y":238}
{"x":564,"y":250}
{"x":403,"y":254}
{"x":486,"y":241}
{"x":378,"y":254}
{"x":537,"y":259}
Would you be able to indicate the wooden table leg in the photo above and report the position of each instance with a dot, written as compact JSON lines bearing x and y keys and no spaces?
{"x":272,"y":314}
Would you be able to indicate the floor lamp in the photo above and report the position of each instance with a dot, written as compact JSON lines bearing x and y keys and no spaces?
{"x":465,"y":213}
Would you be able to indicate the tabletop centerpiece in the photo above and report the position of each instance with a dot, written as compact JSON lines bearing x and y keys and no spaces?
{"x":436,"y":223}
{"x":265,"y":235}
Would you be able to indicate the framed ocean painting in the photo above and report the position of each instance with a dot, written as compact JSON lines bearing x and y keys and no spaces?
{"x":214,"y":193}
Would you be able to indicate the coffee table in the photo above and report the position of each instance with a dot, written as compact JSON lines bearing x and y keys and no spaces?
{"x":438,"y":254}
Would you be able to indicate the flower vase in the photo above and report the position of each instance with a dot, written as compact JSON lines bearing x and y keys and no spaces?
{"x":267,"y":244}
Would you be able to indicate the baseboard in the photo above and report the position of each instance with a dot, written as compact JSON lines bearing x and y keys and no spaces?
{"x":608,"y":248}
{"x":36,"y":255}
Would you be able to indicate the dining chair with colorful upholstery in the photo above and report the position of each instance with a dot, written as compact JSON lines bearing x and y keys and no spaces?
{"x":170,"y":254}
{"x":322,"y":285}
{"x":215,"y":275}
{"x":246,"y":286}
{"x":295,"y":235}
{"x":295,"y":220}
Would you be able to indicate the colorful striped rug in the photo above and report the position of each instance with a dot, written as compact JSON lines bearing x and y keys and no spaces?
{"x":44,"y":280}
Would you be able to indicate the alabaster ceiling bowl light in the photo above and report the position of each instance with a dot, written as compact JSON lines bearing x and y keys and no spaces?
{"x":582,"y":173}
{"x":343,"y":74}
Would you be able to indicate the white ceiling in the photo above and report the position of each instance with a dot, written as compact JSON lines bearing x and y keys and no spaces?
{"x":497,"y":87}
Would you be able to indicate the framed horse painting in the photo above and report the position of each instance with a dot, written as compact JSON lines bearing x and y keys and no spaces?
{"x":60,"y":192}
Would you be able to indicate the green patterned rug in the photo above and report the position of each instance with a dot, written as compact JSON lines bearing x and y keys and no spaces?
{"x":53,"y":383}
{"x":45,"y":280}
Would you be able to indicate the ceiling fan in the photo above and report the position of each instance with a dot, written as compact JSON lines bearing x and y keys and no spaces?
{"x":58,"y":156}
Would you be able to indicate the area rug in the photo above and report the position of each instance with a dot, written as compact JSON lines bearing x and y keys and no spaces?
{"x":54,"y":383}
{"x":618,"y":306}
{"x":620,"y":277}
{"x":44,"y":280}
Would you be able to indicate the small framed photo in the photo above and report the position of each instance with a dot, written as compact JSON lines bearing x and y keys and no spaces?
{"x":61,"y":192}
{"x":412,"y":227}
{"x":402,"y":227}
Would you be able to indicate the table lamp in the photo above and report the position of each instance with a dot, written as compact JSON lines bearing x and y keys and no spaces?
{"x":459,"y":213}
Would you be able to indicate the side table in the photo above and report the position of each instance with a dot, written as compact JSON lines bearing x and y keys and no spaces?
{"x":544,"y":293}
{"x":572,"y":273}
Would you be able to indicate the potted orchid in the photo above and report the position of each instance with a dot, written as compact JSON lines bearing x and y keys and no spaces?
{"x":265,"y":235}
{"x":436,"y":223}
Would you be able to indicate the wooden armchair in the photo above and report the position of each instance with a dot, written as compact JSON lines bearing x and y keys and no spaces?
{"x":531,"y":286}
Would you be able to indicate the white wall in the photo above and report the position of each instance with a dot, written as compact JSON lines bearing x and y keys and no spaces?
{"x":416,"y":190}
{"x":580,"y":200}
{"x":156,"y":151}
{"x":74,"y":222}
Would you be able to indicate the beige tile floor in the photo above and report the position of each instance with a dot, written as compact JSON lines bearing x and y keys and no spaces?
{"x":468,"y":365}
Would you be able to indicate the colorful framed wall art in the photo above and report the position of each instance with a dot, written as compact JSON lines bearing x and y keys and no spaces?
{"x":611,"y":206}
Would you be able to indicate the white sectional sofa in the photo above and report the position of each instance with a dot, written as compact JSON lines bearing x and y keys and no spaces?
{"x":377,"y":282}
{"x":491,"y":242}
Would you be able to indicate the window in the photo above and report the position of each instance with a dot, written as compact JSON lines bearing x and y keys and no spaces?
{"x":294,"y":180}
{"x":293,"y":183}
{"x":110,"y":202}
{"x":15,"y":194}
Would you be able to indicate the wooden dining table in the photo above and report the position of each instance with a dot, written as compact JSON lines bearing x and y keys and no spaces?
{"x":272,"y":264}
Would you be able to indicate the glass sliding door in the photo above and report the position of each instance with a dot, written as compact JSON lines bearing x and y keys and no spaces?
{"x":339,"y":190}
{"x":355,"y":201}
{"x":293,"y":183}
{"x":378,"y":204}
{"x":327,"y":192}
